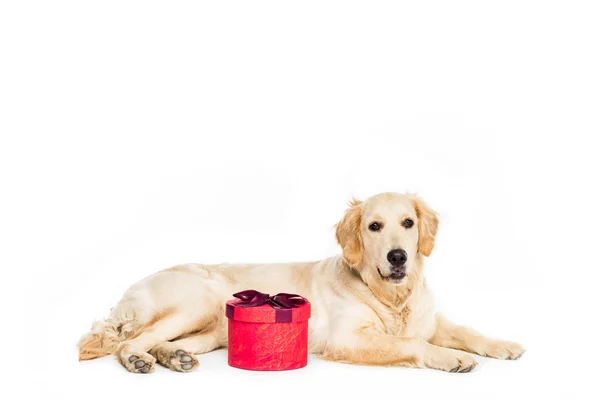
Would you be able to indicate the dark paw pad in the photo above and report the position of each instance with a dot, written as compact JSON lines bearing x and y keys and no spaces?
{"x":186,"y":361}
{"x":140,"y":366}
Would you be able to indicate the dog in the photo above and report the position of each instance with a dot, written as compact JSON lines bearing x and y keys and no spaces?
{"x":370,"y":305}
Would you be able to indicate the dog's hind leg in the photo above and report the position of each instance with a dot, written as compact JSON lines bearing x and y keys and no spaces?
{"x":178,"y":355}
{"x":165,"y":325}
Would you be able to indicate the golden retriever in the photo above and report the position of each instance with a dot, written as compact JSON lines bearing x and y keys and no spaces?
{"x":370,"y":305}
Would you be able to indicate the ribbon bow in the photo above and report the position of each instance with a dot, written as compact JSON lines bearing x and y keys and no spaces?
{"x":254,"y":298}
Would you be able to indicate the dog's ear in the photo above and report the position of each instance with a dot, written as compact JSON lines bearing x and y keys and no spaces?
{"x":428,"y":225}
{"x":347,"y":233}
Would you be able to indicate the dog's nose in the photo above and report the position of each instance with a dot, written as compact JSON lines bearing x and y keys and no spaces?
{"x":397,"y":257}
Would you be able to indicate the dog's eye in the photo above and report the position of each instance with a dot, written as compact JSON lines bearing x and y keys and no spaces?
{"x":375,"y":226}
{"x":408,"y":223}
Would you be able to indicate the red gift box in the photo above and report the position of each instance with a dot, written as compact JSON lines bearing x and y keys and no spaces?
{"x":268,"y":333}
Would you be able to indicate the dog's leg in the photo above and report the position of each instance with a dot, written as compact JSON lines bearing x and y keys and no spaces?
{"x":167,"y":325}
{"x":458,"y":337}
{"x":178,"y":355}
{"x":374,"y":348}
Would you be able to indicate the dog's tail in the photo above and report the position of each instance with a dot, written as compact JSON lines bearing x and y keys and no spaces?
{"x":106,"y":335}
{"x":101,"y":341}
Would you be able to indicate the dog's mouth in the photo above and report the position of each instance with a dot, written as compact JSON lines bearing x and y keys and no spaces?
{"x":395,"y":277}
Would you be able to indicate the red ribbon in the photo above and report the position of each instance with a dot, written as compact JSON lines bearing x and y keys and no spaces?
{"x":254,"y":298}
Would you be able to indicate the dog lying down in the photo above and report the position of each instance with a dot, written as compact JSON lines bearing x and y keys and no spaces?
{"x":370,"y":305}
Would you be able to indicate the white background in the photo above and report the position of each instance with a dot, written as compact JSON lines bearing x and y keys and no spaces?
{"x":139,"y":135}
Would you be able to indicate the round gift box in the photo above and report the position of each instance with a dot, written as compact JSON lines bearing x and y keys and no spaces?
{"x":264,"y":338}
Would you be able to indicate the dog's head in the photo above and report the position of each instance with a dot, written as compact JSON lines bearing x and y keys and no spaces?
{"x":382,"y":236}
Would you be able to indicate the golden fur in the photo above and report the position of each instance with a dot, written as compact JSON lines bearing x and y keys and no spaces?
{"x":359,"y":314}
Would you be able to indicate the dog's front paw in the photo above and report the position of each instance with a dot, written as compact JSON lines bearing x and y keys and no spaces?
{"x":451,"y":361}
{"x":503,"y":350}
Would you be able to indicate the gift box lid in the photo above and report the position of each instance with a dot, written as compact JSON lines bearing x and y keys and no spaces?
{"x":282,"y":307}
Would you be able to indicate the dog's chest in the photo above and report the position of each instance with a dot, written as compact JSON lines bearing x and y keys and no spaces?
{"x":416,"y":319}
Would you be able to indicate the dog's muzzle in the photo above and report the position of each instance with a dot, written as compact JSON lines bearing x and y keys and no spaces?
{"x":396,"y":275}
